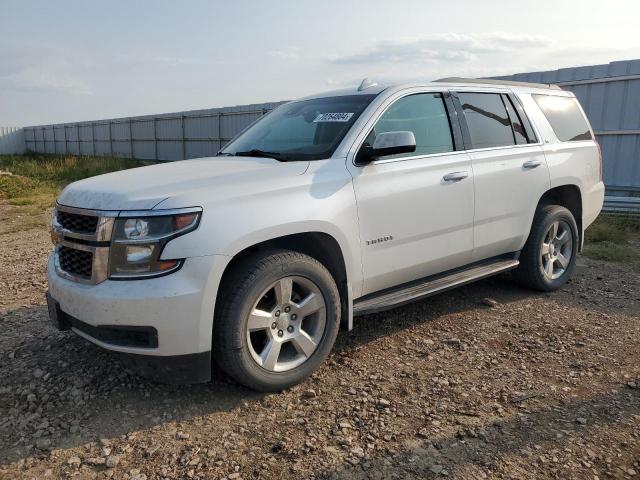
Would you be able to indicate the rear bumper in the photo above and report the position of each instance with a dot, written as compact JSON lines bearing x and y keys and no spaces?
{"x":592,"y":203}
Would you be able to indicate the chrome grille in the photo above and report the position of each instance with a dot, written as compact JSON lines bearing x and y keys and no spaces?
{"x":82,"y":238}
{"x":77,"y":223}
{"x":76,"y":262}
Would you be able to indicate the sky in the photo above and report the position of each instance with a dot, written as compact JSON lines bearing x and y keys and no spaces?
{"x":74,"y":60}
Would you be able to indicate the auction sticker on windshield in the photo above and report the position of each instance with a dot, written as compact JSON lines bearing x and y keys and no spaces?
{"x":333,"y":117}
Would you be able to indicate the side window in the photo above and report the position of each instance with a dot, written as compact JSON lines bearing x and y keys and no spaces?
{"x":565,"y":117}
{"x":425,"y":115}
{"x":487,"y":118}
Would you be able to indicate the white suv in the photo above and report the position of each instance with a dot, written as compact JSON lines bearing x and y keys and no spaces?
{"x":332,"y":206}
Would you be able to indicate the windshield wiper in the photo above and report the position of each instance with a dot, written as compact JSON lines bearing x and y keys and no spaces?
{"x":254,"y":152}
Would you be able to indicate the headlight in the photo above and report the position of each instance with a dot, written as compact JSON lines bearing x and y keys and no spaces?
{"x":138,"y":242}
{"x":136,"y":228}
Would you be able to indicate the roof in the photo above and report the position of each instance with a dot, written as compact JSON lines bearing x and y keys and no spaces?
{"x":449,"y":82}
{"x":503,"y":83}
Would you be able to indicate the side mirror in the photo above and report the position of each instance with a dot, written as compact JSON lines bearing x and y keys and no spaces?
{"x":392,"y":143}
{"x":388,"y":143}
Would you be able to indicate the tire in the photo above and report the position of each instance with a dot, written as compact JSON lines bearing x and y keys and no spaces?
{"x":276,"y":304}
{"x":534,"y":270}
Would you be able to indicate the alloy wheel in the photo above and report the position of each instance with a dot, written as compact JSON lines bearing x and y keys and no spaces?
{"x":286,"y":324}
{"x":556,"y":250}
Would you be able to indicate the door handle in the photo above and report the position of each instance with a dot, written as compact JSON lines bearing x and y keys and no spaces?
{"x":455,"y":176}
{"x":529,"y":164}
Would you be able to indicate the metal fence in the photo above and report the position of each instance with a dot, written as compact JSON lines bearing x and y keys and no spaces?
{"x":610,"y":96}
{"x":12,"y":140}
{"x":170,"y":136}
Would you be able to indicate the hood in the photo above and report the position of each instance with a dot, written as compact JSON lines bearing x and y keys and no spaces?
{"x":144,"y":188}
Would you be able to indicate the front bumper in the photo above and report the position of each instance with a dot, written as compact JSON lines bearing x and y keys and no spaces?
{"x":174,"y":369}
{"x":175,"y":311}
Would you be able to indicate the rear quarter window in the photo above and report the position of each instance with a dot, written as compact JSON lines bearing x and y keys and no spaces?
{"x":565,"y":117}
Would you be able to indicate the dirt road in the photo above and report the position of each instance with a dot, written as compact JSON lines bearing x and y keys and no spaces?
{"x":488,"y":381}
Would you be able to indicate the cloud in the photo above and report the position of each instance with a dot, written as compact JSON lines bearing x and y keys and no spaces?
{"x":178,"y":61}
{"x":42,"y":70}
{"x":428,"y":57}
{"x":444,"y":48}
{"x":45,"y":79}
{"x":144,"y":59}
{"x":287,"y":53}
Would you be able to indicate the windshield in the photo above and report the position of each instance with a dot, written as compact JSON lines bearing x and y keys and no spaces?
{"x":303,"y":130}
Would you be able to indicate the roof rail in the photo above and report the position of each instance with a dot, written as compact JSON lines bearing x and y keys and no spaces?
{"x":488,"y":81}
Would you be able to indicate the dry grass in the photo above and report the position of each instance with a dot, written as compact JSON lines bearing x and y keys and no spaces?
{"x":63,"y":169}
{"x":30,"y":184}
{"x":614,"y":238}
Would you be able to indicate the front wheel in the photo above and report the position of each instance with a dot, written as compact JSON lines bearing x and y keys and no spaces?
{"x":548,"y":258}
{"x":279,"y":317}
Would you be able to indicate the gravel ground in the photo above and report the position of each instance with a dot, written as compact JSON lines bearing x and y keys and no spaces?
{"x":487,"y":381}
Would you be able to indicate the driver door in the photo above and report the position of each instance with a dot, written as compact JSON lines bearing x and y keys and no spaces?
{"x":415,"y":209}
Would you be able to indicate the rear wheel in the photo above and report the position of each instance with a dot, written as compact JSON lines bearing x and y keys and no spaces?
{"x":280,"y":315}
{"x":548,"y":258}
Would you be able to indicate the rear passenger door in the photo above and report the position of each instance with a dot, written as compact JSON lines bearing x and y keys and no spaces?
{"x":509,"y":167}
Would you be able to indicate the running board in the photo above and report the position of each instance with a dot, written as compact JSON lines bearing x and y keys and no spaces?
{"x":391,"y":299}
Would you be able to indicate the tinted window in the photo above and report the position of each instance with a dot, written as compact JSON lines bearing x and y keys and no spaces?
{"x":487,"y":119}
{"x":423,"y":114}
{"x":565,"y":117}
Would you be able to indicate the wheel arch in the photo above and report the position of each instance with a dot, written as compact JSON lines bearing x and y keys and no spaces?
{"x":320,"y":245}
{"x":570,"y":197}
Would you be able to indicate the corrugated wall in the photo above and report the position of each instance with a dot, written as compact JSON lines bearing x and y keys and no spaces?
{"x":12,"y":140}
{"x":610,"y":95}
{"x":169,"y":136}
